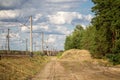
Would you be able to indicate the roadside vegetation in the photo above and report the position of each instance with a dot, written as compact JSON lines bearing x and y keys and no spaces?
{"x":14,"y":52}
{"x":23,"y":68}
{"x":102,"y":37}
{"x":59,"y":54}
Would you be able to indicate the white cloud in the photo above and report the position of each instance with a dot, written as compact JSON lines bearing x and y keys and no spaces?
{"x":7,"y":14}
{"x":67,"y":17}
{"x":83,"y":25}
{"x":3,"y":36}
{"x":8,"y":24}
{"x":24,"y":29}
{"x":63,"y":29}
{"x":88,"y":17}
{"x":63,"y":0}
{"x":37,"y":16}
{"x":59,"y":0}
{"x":41,"y":27}
{"x":62,"y":17}
{"x":57,"y":19}
{"x":14,"y":35}
{"x":9,"y":3}
{"x":51,"y":39}
{"x":28,"y":11}
{"x":85,"y":0}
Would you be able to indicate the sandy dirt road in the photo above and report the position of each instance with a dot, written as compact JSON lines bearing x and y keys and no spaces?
{"x":74,"y":70}
{"x":54,"y":71}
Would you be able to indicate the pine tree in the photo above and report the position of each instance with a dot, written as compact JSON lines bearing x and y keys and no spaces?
{"x":106,"y":21}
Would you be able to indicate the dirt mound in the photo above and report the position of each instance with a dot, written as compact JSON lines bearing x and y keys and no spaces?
{"x":76,"y":54}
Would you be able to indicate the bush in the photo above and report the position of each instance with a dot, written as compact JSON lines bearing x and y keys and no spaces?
{"x":114,"y":58}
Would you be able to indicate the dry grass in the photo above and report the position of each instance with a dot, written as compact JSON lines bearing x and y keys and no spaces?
{"x":75,"y":54}
{"x":90,"y":71}
{"x":83,"y":55}
{"x":21,"y":68}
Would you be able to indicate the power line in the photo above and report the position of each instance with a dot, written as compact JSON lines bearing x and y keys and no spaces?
{"x":21,"y":24}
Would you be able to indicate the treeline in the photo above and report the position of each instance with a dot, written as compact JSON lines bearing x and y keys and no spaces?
{"x":102,"y":37}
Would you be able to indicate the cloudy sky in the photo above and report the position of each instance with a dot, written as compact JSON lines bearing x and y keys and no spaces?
{"x":56,"y":18}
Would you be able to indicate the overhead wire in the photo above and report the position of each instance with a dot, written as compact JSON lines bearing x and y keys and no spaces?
{"x":21,"y":24}
{"x":17,"y":21}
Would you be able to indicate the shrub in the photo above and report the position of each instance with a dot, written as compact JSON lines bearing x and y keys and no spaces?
{"x":114,"y":58}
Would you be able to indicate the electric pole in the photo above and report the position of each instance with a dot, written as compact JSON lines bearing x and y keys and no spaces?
{"x":47,"y":46}
{"x":31,"y":38}
{"x":42,"y":34}
{"x":26,"y":45}
{"x":35,"y":46}
{"x":8,"y":40}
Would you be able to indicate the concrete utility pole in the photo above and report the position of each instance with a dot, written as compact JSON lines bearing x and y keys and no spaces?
{"x":47,"y":46}
{"x":8,"y":40}
{"x":35,"y":46}
{"x":31,"y":38}
{"x":42,"y":42}
{"x":26,"y":45}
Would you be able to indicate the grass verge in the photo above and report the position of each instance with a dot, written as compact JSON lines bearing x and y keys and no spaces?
{"x":21,"y":68}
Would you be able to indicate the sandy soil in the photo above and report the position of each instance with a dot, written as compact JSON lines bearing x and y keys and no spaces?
{"x":89,"y":71}
{"x":75,"y":70}
{"x":54,"y":71}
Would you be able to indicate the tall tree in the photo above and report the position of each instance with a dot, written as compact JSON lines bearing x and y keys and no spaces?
{"x":77,"y":36}
{"x":67,"y":44}
{"x":73,"y":41}
{"x":106,"y":21}
{"x":88,"y":39}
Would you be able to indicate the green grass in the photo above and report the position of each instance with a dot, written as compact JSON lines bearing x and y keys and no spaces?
{"x":21,"y":68}
{"x":59,"y":54}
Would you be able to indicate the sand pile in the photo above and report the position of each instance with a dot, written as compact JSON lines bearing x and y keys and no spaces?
{"x":76,"y":54}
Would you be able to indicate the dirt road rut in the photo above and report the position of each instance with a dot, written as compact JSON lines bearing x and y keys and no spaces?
{"x":75,"y":70}
{"x":54,"y":71}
